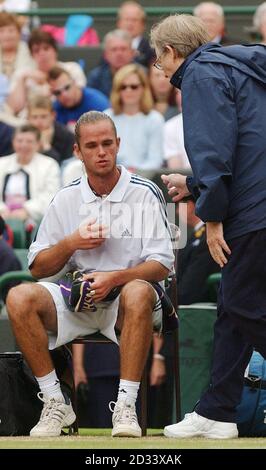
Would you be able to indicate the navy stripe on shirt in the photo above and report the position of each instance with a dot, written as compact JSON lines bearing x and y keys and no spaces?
{"x":73,"y":183}
{"x":155,"y":190}
{"x":149,"y":184}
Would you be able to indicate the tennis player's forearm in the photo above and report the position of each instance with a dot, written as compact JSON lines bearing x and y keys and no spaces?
{"x":51,"y":260}
{"x":149,"y":271}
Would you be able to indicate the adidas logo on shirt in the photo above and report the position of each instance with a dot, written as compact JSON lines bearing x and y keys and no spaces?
{"x":126,"y":233}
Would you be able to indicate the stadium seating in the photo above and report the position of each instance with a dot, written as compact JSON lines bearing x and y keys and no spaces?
{"x":18,"y":228}
{"x":7,"y":340}
{"x":104,"y":22}
{"x":22,"y":275}
{"x":22,"y":255}
{"x":87,"y":57}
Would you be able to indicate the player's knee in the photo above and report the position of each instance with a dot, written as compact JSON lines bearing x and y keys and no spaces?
{"x":138,"y":294}
{"x":20,"y":300}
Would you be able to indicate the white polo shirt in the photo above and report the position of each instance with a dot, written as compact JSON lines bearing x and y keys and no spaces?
{"x":174,"y":141}
{"x":134,"y":212}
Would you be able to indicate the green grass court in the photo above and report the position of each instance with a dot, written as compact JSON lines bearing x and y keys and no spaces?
{"x":101,"y":439}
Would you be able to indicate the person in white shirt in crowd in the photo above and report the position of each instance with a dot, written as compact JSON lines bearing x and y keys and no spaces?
{"x":139,"y":126}
{"x":71,"y":171}
{"x":28,"y":179}
{"x":175,"y":154}
{"x":126,"y":256}
{"x":259,"y":21}
{"x":131,"y":17}
{"x":15,"y":5}
{"x":29,"y":82}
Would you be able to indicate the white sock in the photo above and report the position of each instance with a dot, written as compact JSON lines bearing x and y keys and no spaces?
{"x":50,"y":386}
{"x":128,"y":390}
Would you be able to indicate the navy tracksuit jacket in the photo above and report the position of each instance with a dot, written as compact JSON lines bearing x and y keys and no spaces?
{"x":224,"y":115}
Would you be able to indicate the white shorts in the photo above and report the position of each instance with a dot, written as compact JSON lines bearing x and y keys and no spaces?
{"x":73,"y":324}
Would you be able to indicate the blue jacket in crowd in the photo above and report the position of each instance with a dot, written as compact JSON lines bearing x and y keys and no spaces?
{"x":224,"y":110}
{"x":91,"y":100}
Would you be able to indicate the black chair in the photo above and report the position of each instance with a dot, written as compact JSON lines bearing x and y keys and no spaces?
{"x":18,"y":228}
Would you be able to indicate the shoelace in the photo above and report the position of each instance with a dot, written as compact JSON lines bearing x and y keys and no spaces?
{"x":122,"y":412}
{"x":112,"y":406}
{"x":50,"y":409}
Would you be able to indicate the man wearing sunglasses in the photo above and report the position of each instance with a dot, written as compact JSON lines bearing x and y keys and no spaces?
{"x":71,"y":101}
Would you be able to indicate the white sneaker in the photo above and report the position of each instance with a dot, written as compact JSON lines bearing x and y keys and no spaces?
{"x":55,"y":416}
{"x":125,"y":421}
{"x":194,"y":425}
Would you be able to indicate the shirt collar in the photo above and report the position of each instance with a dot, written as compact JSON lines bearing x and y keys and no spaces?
{"x":136,"y":42}
{"x":217,"y":38}
{"x":117,"y":193}
{"x":177,"y":78}
{"x":16,"y":166}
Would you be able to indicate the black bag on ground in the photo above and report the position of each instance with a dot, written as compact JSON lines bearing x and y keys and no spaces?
{"x":20,"y":407}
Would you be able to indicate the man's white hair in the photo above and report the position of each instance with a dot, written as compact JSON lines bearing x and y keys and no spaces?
{"x":117,"y":34}
{"x":259,"y":16}
{"x":215,"y":6}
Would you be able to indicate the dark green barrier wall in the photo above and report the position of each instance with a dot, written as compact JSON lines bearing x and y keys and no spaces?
{"x":195,"y":338}
{"x":238,"y":13}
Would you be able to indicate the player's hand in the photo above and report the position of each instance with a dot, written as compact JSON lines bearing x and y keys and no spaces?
{"x":176,"y":185}
{"x":158,"y":372}
{"x":89,"y":235}
{"x":216,"y":243}
{"x":101,"y":283}
{"x":79,"y":376}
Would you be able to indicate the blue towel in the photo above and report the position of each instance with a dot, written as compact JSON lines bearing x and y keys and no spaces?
{"x":75,"y":27}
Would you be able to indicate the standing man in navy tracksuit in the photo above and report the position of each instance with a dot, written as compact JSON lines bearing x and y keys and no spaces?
{"x":224,"y":112}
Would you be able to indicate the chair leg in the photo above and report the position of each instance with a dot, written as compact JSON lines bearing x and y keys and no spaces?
{"x":177,"y":375}
{"x":74,"y":400}
{"x":143,"y":401}
{"x":62,"y":358}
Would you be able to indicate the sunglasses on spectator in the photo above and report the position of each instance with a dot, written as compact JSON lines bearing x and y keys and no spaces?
{"x":133,"y":86}
{"x":61,"y":90}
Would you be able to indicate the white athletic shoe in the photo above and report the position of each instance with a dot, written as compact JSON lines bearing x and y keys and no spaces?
{"x":125,"y":421}
{"x":55,"y":416}
{"x":194,"y":425}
